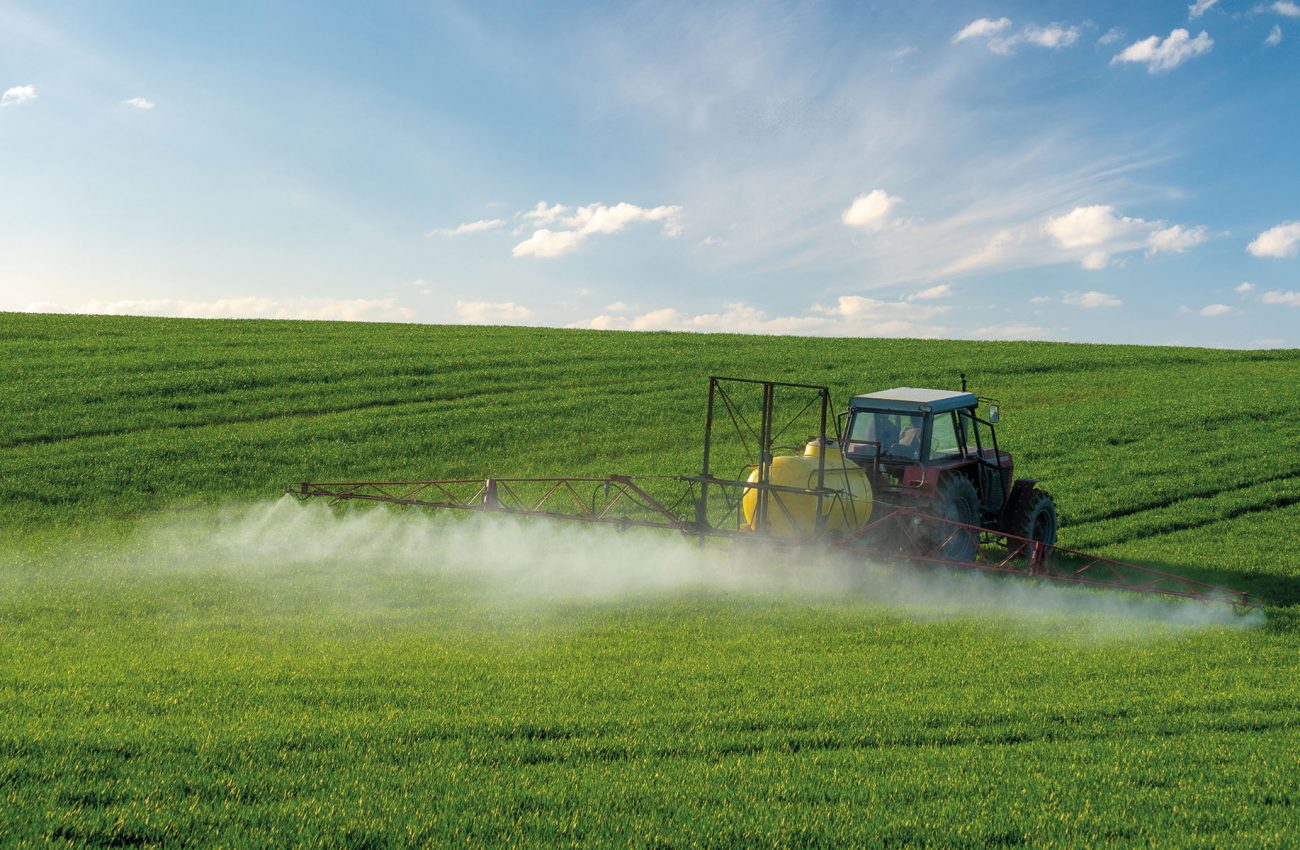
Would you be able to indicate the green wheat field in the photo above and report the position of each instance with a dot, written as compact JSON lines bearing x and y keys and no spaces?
{"x":187,"y":658}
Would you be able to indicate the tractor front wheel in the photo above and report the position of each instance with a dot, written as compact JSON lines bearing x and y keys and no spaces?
{"x":958,"y":501}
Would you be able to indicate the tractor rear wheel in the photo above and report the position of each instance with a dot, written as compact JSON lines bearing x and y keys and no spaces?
{"x":958,"y":501}
{"x":1034,"y":517}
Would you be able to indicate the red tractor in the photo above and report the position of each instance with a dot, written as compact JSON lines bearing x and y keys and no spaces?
{"x":930,"y":450}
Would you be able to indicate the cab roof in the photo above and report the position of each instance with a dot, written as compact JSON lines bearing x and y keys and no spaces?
{"x":912,"y":400}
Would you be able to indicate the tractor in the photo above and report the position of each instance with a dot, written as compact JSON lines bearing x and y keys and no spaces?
{"x":930,"y":450}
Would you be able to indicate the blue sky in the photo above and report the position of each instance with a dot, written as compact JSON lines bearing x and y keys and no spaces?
{"x":1103,"y":172}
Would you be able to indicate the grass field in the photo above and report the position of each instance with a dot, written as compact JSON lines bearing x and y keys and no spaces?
{"x":186,"y":660}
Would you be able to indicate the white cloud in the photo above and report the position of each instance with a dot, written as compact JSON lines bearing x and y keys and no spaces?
{"x":1279,"y":241}
{"x":859,"y":308}
{"x":1012,"y":331}
{"x":617,"y":307}
{"x":543,"y":215}
{"x":870,"y":211}
{"x":468,"y":227}
{"x":17,"y":96}
{"x":1274,"y":36}
{"x":850,"y":315}
{"x":942,"y":290}
{"x":1286,"y":8}
{"x":904,"y":52}
{"x":1200,"y":7}
{"x":1165,"y":55}
{"x":1176,"y":239}
{"x":1040,"y":299}
{"x":1095,"y":260}
{"x":598,"y":218}
{"x":1093,"y":233}
{"x":138,"y":103}
{"x":1087,"y":226}
{"x":586,"y":221}
{"x":1053,"y":35}
{"x":1111,"y":36}
{"x":1244,"y":287}
{"x":251,"y":307}
{"x":548,"y":243}
{"x":1090,"y":299}
{"x":491,"y":313}
{"x":981,"y":28}
{"x":1215,"y":310}
{"x":1276,"y":296}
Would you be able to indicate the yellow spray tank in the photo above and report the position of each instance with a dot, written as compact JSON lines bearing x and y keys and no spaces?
{"x":794,"y":515}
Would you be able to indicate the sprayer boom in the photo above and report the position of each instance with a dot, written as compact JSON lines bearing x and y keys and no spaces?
{"x":936,"y":489}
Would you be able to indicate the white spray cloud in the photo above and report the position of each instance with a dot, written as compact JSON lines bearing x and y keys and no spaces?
{"x":501,"y":559}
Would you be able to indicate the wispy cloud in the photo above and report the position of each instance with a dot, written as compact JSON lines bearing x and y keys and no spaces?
{"x":1211,"y":310}
{"x":1200,"y":7}
{"x":249,"y":307}
{"x":1286,"y":8}
{"x":468,"y":227}
{"x":18,"y":95}
{"x":1091,"y":299}
{"x":736,"y":83}
{"x":1274,"y":36}
{"x":981,"y":28}
{"x":1161,"y":55}
{"x":1277,"y":296}
{"x":1053,"y":36}
{"x":942,"y":290}
{"x":138,"y":103}
{"x":1282,"y":240}
{"x":1176,"y":239}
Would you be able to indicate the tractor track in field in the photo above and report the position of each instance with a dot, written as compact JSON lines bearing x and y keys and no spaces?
{"x":51,"y":439}
{"x":1187,"y":525}
{"x":1000,"y":734}
{"x":1166,"y":503}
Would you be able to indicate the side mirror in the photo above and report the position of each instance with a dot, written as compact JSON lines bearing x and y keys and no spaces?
{"x":993,"y":414}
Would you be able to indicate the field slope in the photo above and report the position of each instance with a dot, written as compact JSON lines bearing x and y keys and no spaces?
{"x":184,"y":660}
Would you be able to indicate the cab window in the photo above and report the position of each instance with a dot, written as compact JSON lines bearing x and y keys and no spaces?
{"x":899,"y":434}
{"x":943,"y":437}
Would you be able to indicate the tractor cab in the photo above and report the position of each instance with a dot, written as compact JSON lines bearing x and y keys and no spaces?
{"x":907,"y":439}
